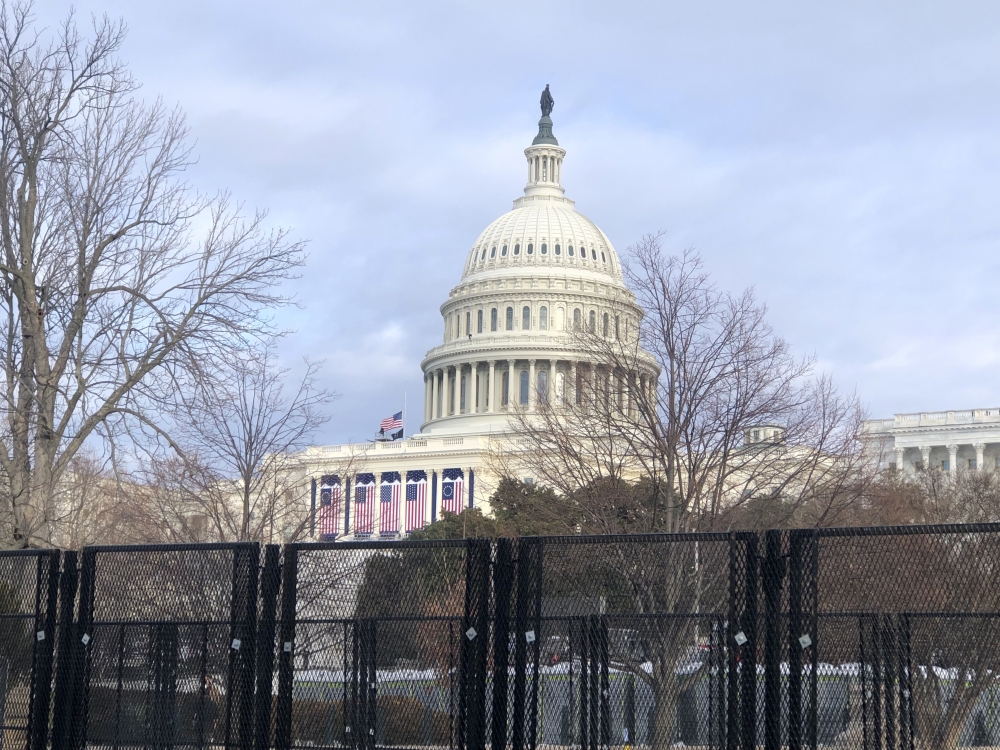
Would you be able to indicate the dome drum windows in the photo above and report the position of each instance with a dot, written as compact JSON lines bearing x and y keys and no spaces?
{"x":543,"y":318}
{"x":558,"y":249}
{"x":503,"y":252}
{"x":510,"y":319}
{"x":545,"y":249}
{"x":543,"y":387}
{"x":592,"y":322}
{"x":517,"y":248}
{"x":493,"y":319}
{"x":479,"y":322}
{"x":526,"y":318}
{"x":570,"y":251}
{"x":577,"y":315}
{"x":605,"y":325}
{"x":523,"y":390}
{"x":493,"y":252}
{"x":531,"y":248}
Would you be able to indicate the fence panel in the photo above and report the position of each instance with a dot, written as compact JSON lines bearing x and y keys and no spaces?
{"x":162,"y":649}
{"x":28,"y":600}
{"x":904,"y":631}
{"x":384,"y":644}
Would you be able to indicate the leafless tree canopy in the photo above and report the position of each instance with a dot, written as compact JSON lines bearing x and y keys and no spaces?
{"x":723,"y":425}
{"x":116,"y":278}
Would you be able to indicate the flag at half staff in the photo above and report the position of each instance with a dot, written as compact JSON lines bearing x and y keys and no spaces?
{"x":392,"y":424}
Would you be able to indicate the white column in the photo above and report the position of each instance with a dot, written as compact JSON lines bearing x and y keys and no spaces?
{"x":900,"y":454}
{"x":511,"y":388}
{"x":457,"y":403}
{"x":953,"y":458}
{"x":925,"y":455}
{"x":473,"y":406}
{"x":435,"y":394}
{"x":980,"y":458}
{"x":491,"y":387}
{"x":532,"y":386}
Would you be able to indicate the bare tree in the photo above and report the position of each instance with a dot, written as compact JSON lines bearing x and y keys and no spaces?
{"x":692,"y":415}
{"x":105,"y":295}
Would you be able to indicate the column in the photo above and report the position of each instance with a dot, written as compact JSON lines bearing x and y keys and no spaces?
{"x":980,"y":458}
{"x":925,"y":455}
{"x":491,"y":388}
{"x":953,"y":458}
{"x":428,"y":391}
{"x":571,"y":395}
{"x":472,"y":405}
{"x":435,"y":394}
{"x":532,"y":385}
{"x":511,"y":390}
{"x":900,"y":454}
{"x":457,"y":403}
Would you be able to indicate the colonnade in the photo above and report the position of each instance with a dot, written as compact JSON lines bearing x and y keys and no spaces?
{"x":951,"y":457}
{"x":478,"y":387}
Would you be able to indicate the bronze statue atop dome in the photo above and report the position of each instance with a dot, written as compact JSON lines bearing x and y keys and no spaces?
{"x":547,"y":102}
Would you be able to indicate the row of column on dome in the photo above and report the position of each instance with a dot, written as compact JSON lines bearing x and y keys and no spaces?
{"x":949,"y":457}
{"x":388,"y":505}
{"x":477,"y":387}
{"x":494,"y":320}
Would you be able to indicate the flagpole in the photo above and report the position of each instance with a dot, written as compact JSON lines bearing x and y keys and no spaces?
{"x":404,"y":410}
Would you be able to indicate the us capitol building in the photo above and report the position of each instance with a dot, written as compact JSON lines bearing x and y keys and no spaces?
{"x":534,"y":275}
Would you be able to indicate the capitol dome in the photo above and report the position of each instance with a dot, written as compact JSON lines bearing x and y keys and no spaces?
{"x":533,"y":277}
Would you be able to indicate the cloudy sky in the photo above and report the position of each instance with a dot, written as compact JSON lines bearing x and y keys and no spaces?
{"x":842,"y":158}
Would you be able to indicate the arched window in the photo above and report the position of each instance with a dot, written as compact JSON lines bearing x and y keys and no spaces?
{"x":517,"y":249}
{"x":493,"y":252}
{"x":531,"y":248}
{"x":505,"y":389}
{"x":458,"y":326}
{"x":503,"y":252}
{"x":468,"y":324}
{"x":543,"y":318}
{"x":461,"y":406}
{"x":558,"y":249}
{"x":479,"y":322}
{"x":617,"y":332}
{"x":560,"y":319}
{"x":543,"y":387}
{"x":561,"y":387}
{"x":605,"y":326}
{"x":524,"y":388}
{"x":545,"y":249}
{"x":493,"y":319}
{"x":576,"y":319}
{"x":603,"y":259}
{"x":545,"y":168}
{"x":510,"y":318}
{"x":592,"y":322}
{"x":593,"y":253}
{"x":571,"y":251}
{"x":526,"y":318}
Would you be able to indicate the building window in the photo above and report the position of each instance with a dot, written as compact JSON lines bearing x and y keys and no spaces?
{"x":524,"y":388}
{"x":592,"y":322}
{"x":576,"y":319}
{"x":616,"y":327}
{"x":505,"y":389}
{"x":479,"y":322}
{"x":461,"y":405}
{"x":493,"y":319}
{"x":517,"y":249}
{"x":503,"y":253}
{"x":493,"y":252}
{"x":570,"y":250}
{"x":603,"y":259}
{"x":531,"y":248}
{"x":526,"y":318}
{"x":543,"y":387}
{"x":545,"y":168}
{"x":944,"y":465}
{"x":458,"y":326}
{"x":510,"y":318}
{"x":605,"y":326}
{"x":558,"y":249}
{"x":972,"y":464}
{"x":543,"y":318}
{"x":545,"y":249}
{"x":468,"y":323}
{"x":593,"y":253}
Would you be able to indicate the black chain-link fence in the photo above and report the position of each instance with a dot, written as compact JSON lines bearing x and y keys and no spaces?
{"x":866,"y":638}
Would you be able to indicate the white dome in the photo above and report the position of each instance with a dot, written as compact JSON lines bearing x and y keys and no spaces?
{"x":552,"y":236}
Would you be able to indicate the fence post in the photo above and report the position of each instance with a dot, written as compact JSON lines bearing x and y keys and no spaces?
{"x":502,"y":585}
{"x":270,"y":581}
{"x":773,"y":580}
{"x":795,"y":646}
{"x":748,"y":651}
{"x":62,"y":725}
{"x":81,"y":650}
{"x":286,"y":652}
{"x":475,"y":643}
{"x":242,"y":634}
{"x":46,"y":618}
{"x":528,"y":583}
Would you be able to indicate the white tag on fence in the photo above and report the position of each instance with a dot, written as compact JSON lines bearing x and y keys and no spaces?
{"x":805,"y":641}
{"x":530,"y":636}
{"x":40,"y":635}
{"x":236,"y":644}
{"x":740,"y":638}
{"x":471,"y":633}
{"x":288,"y":647}
{"x":85,"y":639}
{"x":347,"y":730}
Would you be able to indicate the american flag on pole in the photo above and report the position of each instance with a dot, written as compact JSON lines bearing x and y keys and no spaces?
{"x":364,"y":504}
{"x":388,"y":520}
{"x":329,"y":506}
{"x":451,"y":490}
{"x":416,"y":499}
{"x":391,"y":425}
